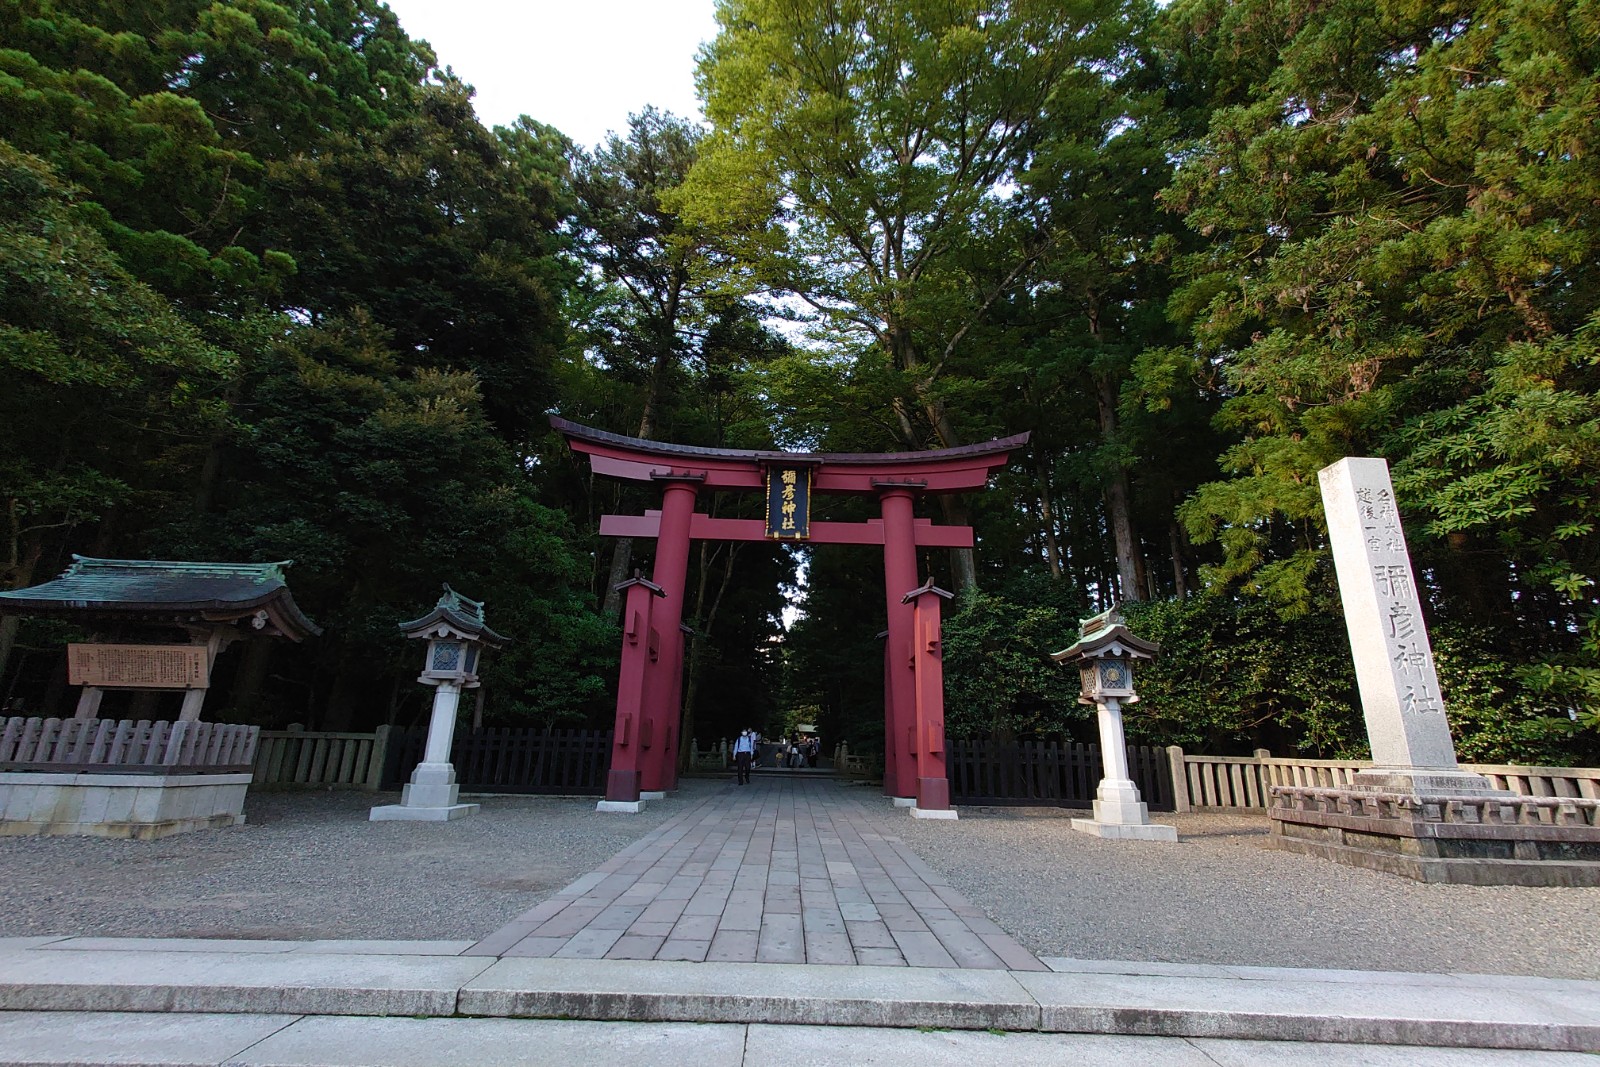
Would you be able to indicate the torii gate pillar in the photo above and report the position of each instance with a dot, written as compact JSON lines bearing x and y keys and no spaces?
{"x":664,"y":699}
{"x":899,"y":696}
{"x":633,"y":737}
{"x":926,"y":735}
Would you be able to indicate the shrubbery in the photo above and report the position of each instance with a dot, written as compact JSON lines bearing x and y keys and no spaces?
{"x":1233,"y":676}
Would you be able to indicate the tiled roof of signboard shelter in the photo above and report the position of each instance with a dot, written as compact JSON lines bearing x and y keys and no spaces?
{"x":170,"y":589}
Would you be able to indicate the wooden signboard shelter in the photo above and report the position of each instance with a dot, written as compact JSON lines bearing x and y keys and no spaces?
{"x":649,"y":699}
{"x":214,"y":604}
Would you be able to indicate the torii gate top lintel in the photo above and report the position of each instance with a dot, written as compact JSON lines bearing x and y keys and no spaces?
{"x":945,"y":470}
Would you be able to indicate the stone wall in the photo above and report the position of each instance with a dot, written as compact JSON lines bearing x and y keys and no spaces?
{"x":140,"y":806}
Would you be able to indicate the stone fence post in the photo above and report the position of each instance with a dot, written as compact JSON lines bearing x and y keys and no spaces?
{"x":1180,"y":778}
{"x":379,"y":760}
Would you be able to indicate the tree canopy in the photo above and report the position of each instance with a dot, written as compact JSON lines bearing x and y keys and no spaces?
{"x":269,"y":289}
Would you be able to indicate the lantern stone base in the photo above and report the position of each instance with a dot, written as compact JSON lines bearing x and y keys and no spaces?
{"x":414,"y":813}
{"x":1120,"y":814}
{"x":1149,"y":831}
{"x":1491,"y":838}
{"x":432,"y":796}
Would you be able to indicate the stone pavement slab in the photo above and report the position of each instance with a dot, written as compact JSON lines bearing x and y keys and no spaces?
{"x":820,"y":1047}
{"x":73,"y":1039}
{"x":1378,"y":1012}
{"x":347,"y":1042}
{"x":793,"y":861}
{"x":51,"y":979}
{"x":173,"y":1040}
{"x":1466,"y":1011}
{"x":750,"y":992}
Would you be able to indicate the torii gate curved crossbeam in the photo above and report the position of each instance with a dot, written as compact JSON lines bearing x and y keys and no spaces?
{"x":649,"y":692}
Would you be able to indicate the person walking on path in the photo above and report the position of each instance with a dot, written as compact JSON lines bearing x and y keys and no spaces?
{"x":744,"y":751}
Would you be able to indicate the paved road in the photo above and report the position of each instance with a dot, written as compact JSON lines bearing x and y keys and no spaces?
{"x":783,"y":870}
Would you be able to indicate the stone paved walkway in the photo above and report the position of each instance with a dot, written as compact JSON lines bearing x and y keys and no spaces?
{"x":779,"y":871}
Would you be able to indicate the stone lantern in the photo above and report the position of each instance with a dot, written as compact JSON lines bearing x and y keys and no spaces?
{"x":456,"y":634}
{"x":1104,"y":655}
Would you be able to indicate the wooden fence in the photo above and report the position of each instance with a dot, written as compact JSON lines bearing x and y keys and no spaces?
{"x":123,"y":746}
{"x":1047,"y":773}
{"x":1242,"y":783}
{"x":514,"y":760}
{"x":289,"y":758}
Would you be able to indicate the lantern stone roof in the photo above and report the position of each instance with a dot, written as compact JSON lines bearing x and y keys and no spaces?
{"x":167,"y":591}
{"x":461,"y":615}
{"x":1106,"y":634}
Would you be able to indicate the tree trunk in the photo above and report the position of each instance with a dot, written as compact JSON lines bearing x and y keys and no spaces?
{"x":1047,"y":518}
{"x":622,"y":549}
{"x":20,"y":575}
{"x":621,"y":560}
{"x":963,"y":563}
{"x":1180,"y":583}
{"x":1130,"y":564}
{"x":252,"y":677}
{"x":697,"y":642}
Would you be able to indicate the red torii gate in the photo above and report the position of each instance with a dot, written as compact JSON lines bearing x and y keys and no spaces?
{"x":649,"y":690}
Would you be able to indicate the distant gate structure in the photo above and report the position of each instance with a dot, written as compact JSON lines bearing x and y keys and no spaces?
{"x":649,"y":691}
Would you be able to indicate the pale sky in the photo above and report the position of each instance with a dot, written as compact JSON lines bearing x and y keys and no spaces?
{"x":580,"y":65}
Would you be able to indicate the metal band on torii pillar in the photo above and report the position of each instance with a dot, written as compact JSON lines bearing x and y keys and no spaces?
{"x":899,"y":575}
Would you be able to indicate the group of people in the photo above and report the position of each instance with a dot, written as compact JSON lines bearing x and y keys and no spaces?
{"x":800,"y":751}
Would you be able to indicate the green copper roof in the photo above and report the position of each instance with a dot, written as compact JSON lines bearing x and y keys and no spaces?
{"x":460,"y":612}
{"x":166,"y":590}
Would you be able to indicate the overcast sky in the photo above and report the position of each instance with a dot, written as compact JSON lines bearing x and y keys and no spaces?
{"x":580,"y":65}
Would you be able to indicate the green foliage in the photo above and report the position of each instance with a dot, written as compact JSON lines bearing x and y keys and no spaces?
{"x":878,"y":162}
{"x":999,"y":680}
{"x":1398,"y":260}
{"x":380,"y":482}
{"x":102,"y":374}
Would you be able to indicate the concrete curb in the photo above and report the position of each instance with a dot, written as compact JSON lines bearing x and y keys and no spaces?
{"x":1085,"y":997}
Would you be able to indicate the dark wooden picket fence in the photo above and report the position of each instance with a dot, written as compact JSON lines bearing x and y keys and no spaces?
{"x":1048,"y":773}
{"x":510,"y":760}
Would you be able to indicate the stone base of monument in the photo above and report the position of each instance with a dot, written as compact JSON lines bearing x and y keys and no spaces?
{"x":431,"y":796}
{"x":1477,"y":838}
{"x":1119,"y":814}
{"x":139,"y":806}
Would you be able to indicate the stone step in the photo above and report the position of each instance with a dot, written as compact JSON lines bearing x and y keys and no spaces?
{"x":1093,"y":997}
{"x":59,"y":1039}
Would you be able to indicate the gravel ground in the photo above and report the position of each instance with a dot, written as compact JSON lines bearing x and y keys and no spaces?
{"x":309,"y":865}
{"x":1220,"y":896}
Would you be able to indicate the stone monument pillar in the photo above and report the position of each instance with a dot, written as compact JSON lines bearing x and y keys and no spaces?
{"x":1415,"y":812}
{"x":1412,"y":750}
